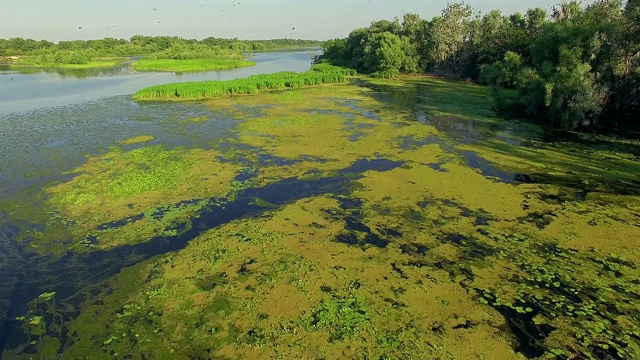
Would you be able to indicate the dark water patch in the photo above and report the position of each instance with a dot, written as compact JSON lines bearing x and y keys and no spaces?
{"x":461,"y":130}
{"x":414,"y":249}
{"x":483,"y":218}
{"x":327,"y":289}
{"x":352,"y":238}
{"x":347,"y":115}
{"x":563,"y":197}
{"x":72,"y":272}
{"x":394,"y":303}
{"x":530,"y":336}
{"x":453,"y":268}
{"x":540,"y":219}
{"x":244,"y":270}
{"x":581,"y":186}
{"x":253,"y":111}
{"x":486,"y":168}
{"x":466,"y":325}
{"x":472,"y":248}
{"x":414,"y":216}
{"x":358,"y":234}
{"x":353,"y":105}
{"x":270,"y":160}
{"x":411,"y":143}
{"x":438,"y":167}
{"x":120,"y":223}
{"x":389,"y":232}
{"x":398,"y":271}
{"x":246,"y":174}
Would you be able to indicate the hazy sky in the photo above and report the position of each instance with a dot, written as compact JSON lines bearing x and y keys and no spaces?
{"x":248,"y":19}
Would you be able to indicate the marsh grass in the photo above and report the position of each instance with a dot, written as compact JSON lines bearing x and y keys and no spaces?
{"x":319,"y":74}
{"x":32,"y":62}
{"x":189,"y":65}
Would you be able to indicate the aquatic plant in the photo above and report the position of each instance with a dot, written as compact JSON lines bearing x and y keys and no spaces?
{"x":251,"y":85}
{"x":189,"y":65}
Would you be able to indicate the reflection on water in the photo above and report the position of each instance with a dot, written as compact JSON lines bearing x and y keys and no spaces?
{"x":29,"y":89}
{"x":39,"y":145}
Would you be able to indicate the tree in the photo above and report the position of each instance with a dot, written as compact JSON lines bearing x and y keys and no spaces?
{"x":449,"y":33}
{"x":386,"y":54}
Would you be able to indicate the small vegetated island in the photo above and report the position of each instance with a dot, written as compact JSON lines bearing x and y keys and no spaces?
{"x":159,"y":53}
{"x":366,"y":208}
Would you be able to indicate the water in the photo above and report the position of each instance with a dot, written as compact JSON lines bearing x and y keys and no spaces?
{"x":51,"y":120}
{"x":385,"y":203}
{"x":45,"y":116}
{"x":28,"y":90}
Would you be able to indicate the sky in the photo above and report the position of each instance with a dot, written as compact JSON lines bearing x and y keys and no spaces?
{"x":56,"y":20}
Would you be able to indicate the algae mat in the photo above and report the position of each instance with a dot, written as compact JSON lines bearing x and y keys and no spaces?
{"x":377,"y":219}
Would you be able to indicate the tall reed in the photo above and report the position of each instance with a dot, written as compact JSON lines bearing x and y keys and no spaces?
{"x":319,"y":74}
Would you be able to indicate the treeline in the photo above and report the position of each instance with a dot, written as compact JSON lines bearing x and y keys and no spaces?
{"x":162,"y":47}
{"x":574,"y":67}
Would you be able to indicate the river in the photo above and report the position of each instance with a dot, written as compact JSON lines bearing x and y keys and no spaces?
{"x":378,"y":218}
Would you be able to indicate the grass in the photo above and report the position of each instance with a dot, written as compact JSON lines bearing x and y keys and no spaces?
{"x":319,"y":74}
{"x":189,"y":65}
{"x":27,"y":62}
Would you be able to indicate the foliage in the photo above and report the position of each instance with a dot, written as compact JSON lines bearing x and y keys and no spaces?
{"x":578,"y":67}
{"x":342,"y":317}
{"x":144,"y":45}
{"x":85,"y":52}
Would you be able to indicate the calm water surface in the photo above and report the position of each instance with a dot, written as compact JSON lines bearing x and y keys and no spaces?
{"x":35,"y":89}
{"x":48,"y":120}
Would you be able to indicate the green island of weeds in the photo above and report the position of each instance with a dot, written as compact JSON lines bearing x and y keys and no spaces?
{"x":189,"y":65}
{"x":319,"y":74}
{"x":33,"y":62}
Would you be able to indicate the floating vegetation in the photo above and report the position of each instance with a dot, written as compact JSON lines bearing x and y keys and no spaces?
{"x":435,"y":237}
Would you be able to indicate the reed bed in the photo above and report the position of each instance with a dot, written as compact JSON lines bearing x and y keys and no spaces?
{"x":319,"y":74}
{"x":188,"y":65}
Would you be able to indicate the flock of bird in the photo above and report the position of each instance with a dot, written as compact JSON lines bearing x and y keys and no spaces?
{"x":202,"y":5}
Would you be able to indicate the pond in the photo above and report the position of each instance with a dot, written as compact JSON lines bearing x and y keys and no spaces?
{"x":374,"y":218}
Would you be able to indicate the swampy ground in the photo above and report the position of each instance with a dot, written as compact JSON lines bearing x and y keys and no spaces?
{"x":374,"y":219}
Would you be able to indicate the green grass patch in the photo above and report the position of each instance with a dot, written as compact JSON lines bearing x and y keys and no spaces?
{"x":319,"y":74}
{"x":342,"y":317}
{"x":189,"y":65}
{"x":137,"y":140}
{"x":28,"y":62}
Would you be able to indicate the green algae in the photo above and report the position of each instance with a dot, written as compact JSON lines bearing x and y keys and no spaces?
{"x":137,"y":140}
{"x":468,"y":266}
